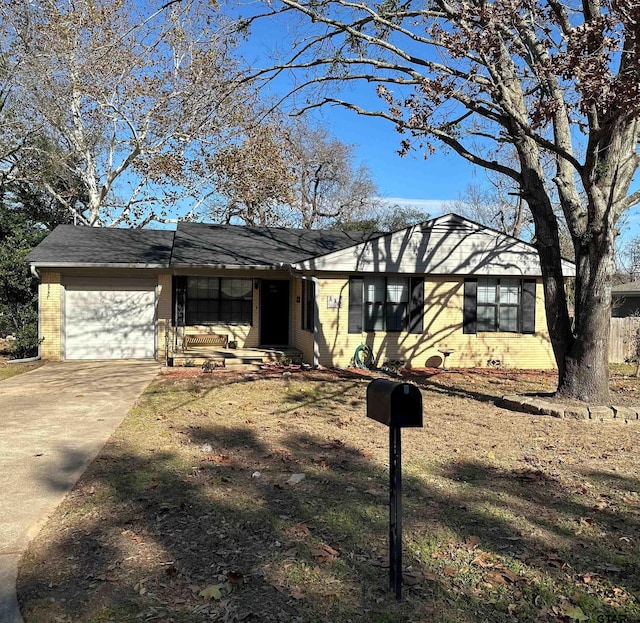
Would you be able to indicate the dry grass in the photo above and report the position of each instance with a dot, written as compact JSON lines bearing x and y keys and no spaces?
{"x":189,"y":514}
{"x":9,"y":370}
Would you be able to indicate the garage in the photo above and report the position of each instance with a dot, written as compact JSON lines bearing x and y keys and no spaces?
{"x":110,"y":319}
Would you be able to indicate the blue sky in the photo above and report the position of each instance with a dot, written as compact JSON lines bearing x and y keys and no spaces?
{"x":412,"y":179}
{"x":430,"y":184}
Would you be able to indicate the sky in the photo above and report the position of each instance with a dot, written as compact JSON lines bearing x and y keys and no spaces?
{"x":433,"y":184}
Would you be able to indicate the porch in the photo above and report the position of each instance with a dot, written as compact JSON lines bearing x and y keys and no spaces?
{"x":235,"y":358}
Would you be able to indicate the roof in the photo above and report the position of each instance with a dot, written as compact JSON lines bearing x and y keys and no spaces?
{"x":70,"y":244}
{"x":200,"y":244}
{"x":626,"y":289}
{"x":447,"y":245}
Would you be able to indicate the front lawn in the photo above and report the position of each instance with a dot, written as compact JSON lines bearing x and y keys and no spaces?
{"x":263,"y":497}
{"x":9,"y":370}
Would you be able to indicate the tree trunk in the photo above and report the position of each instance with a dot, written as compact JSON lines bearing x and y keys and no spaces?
{"x":581,"y":352}
{"x":586,"y":370}
{"x":555,"y":300}
{"x":547,"y":244}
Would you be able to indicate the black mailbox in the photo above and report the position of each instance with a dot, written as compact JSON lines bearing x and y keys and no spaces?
{"x":394,"y":404}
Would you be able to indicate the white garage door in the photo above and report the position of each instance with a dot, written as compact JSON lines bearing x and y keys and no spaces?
{"x":107,"y":320}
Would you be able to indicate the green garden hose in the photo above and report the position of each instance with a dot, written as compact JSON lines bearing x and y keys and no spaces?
{"x":363,"y":357}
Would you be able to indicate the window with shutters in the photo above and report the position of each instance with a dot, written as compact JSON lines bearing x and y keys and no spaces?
{"x":499,"y":305}
{"x":386,"y":303}
{"x":212,"y":300}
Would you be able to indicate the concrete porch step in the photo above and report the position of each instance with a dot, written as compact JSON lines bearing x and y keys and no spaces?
{"x":235,"y":359}
{"x":243,"y":366}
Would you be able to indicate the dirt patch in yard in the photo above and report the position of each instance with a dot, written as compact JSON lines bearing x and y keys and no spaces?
{"x":263,"y":497}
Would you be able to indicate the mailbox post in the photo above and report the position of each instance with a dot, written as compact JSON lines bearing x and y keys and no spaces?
{"x":398,"y":406}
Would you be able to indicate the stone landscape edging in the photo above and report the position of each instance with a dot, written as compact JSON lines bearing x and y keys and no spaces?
{"x":539,"y":406}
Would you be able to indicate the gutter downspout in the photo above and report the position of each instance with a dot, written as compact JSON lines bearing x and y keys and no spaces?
{"x":36,"y":275}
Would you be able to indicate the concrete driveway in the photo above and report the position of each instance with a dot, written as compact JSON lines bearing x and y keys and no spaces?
{"x":53,"y":423}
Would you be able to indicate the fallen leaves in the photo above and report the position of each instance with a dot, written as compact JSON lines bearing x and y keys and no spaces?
{"x":334,"y":444}
{"x":413,"y":577}
{"x":491,"y":517}
{"x":483,"y":559}
{"x":234,"y":577}
{"x":502,"y":576}
{"x":297,"y":531}
{"x":324,"y":553}
{"x":535,"y":476}
{"x":214,"y":591}
{"x":471,"y":542}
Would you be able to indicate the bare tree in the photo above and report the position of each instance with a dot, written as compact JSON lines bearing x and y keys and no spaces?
{"x":502,"y":208}
{"x":495,"y":205}
{"x":628,"y":259}
{"x":290,"y":174}
{"x":634,"y":268}
{"x":128,"y":95}
{"x":556,"y":82}
{"x":254,"y":178}
{"x":385,"y":218}
{"x":328,"y":184}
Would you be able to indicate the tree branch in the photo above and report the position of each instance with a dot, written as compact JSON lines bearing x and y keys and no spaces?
{"x":456,"y":145}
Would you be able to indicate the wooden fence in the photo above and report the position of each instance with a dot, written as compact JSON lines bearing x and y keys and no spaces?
{"x":624,"y":339}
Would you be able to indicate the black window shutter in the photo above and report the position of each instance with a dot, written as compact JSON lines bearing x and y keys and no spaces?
{"x":416,"y":309}
{"x":529,"y":306}
{"x":356,"y":288}
{"x":311,"y":304}
{"x":303,"y":304}
{"x":470,"y":314}
{"x":179,"y":301}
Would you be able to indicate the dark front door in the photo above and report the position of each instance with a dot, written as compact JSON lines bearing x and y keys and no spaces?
{"x":274,"y":313}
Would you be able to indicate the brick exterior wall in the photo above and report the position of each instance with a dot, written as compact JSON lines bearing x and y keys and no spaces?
{"x":50,"y":305}
{"x":442,"y":329}
{"x":302,"y":338}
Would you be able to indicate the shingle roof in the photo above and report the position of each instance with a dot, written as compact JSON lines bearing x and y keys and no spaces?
{"x":627,"y":288}
{"x":193,"y":244}
{"x":200,"y":244}
{"x":68,"y":244}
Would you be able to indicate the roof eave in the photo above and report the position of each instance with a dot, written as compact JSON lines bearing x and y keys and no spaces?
{"x":38,"y":264}
{"x":230,"y":266}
